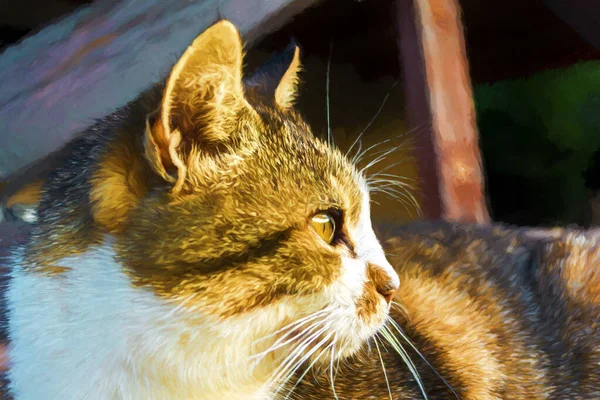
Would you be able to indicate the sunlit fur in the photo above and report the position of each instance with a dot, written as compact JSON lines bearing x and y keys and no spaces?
{"x":173,"y":257}
{"x":105,"y":304}
{"x":484,"y":313}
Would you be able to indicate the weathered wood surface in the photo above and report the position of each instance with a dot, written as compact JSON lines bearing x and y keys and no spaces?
{"x":449,"y":156}
{"x":56,"y":82}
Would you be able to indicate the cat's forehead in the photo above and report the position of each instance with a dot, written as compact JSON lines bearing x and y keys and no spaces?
{"x":309,"y":166}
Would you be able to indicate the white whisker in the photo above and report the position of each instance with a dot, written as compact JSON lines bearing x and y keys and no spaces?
{"x":408,"y":135}
{"x":403,"y":335}
{"x":332,"y":371}
{"x":308,"y":369}
{"x":396,"y":345}
{"x":279,"y":343}
{"x":296,"y":323}
{"x":382,"y":184}
{"x":379,"y":158}
{"x":358,"y":156}
{"x":385,"y":99}
{"x":387,"y":382}
{"x":329,"y":136}
{"x":398,"y":177}
{"x":290,"y":360}
{"x":399,"y":306}
{"x":288,"y":370}
{"x":408,"y":200}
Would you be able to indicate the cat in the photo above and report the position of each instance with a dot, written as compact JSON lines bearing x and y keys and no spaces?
{"x":202,"y":244}
{"x":188,"y":239}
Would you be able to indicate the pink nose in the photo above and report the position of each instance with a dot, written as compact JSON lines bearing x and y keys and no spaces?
{"x":388,"y":294}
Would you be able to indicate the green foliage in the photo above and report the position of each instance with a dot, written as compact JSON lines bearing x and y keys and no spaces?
{"x":543,"y":130}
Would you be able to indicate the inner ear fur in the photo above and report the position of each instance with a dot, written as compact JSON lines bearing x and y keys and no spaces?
{"x":276,"y":82}
{"x":202,"y":97}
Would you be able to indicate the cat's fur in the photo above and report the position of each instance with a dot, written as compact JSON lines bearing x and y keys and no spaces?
{"x":173,"y":247}
{"x":168,"y":250}
{"x":497,"y":312}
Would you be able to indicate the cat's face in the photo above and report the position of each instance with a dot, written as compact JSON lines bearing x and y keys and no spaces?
{"x":265,"y":224}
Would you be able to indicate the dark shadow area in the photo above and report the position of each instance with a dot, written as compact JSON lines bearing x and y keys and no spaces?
{"x":534,"y":78}
{"x":25,"y":17}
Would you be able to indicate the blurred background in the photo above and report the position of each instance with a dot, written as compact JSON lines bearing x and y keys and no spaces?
{"x":535,"y":80}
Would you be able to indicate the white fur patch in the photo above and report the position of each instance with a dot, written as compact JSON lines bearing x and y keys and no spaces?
{"x":89,"y":334}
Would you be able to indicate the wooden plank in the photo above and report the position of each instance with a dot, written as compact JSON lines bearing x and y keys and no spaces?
{"x":55,"y":83}
{"x":434,"y":58}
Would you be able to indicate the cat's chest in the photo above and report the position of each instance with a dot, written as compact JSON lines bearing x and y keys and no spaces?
{"x":90,"y":331}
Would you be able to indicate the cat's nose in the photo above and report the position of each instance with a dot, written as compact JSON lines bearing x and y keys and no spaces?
{"x":387,"y":292}
{"x":386,"y":281}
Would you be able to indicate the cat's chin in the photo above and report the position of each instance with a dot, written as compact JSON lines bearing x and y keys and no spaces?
{"x":347,"y":334}
{"x":363,"y":331}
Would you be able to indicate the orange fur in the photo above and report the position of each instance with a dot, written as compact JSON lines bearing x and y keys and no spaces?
{"x":118,"y":185}
{"x":29,"y":194}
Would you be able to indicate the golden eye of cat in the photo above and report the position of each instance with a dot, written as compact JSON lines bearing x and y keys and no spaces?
{"x":324,"y":224}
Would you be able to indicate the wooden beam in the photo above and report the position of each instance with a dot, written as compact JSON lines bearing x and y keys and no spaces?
{"x":57,"y":82}
{"x":439,"y":98}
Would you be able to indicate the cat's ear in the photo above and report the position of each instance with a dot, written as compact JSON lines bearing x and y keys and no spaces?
{"x":277,"y":80}
{"x":201,"y":100}
{"x":286,"y":91}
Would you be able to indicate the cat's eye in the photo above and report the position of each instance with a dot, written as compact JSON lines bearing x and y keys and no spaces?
{"x":324,"y":224}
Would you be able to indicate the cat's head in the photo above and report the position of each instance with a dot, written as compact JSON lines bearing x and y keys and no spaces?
{"x":259,"y":223}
